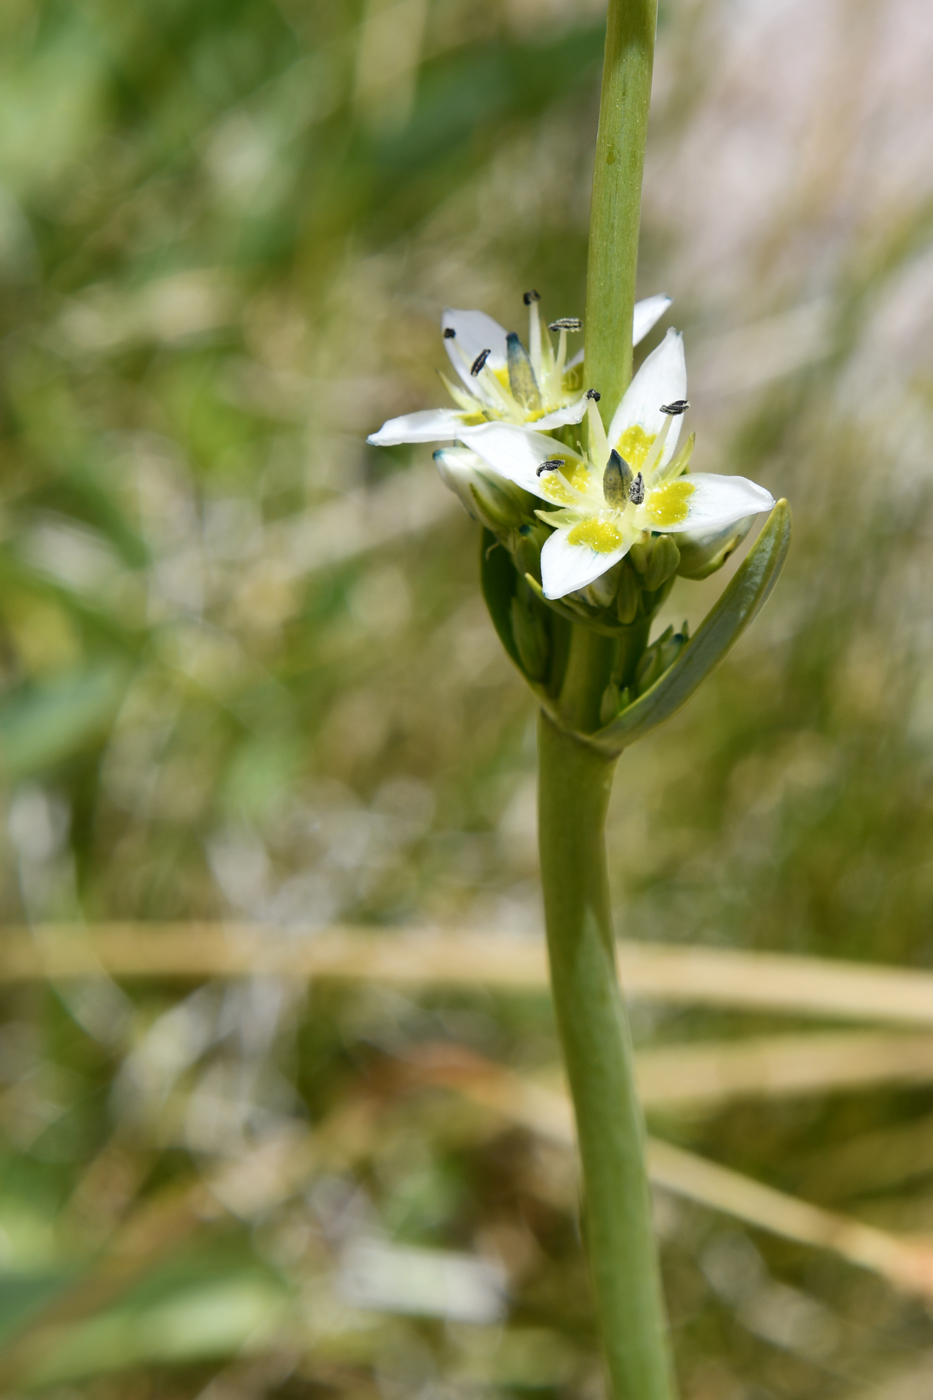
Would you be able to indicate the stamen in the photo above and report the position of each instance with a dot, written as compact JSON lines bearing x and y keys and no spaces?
{"x":535,"y":347}
{"x":449,"y":332}
{"x":636,"y":492}
{"x":561,"y":361}
{"x":593,"y":394}
{"x":531,"y":296}
{"x":566,"y":323}
{"x":617,"y":481}
{"x":488,"y":391}
{"x":552,"y":464}
{"x":657,"y":447}
{"x":597,"y":441}
{"x":676,"y":408}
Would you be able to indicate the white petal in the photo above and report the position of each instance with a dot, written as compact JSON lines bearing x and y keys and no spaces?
{"x":573,"y":413}
{"x":474,"y":333}
{"x":662,"y":379}
{"x":515,"y":453}
{"x":647,"y":314}
{"x":428,"y":425}
{"x":577,"y":360}
{"x":717,"y":501}
{"x":566,"y":567}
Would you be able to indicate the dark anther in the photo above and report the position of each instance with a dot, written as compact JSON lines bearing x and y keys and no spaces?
{"x":531,"y":296}
{"x":553,"y":464}
{"x":449,"y":332}
{"x":566,"y":323}
{"x":636,"y":492}
{"x":594,"y":394}
{"x":676,"y":408}
{"x":478,"y":363}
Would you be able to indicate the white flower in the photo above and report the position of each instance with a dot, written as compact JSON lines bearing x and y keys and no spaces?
{"x":630,"y":484}
{"x":499,"y":380}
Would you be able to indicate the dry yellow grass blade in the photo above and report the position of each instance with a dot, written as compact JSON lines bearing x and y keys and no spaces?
{"x":707,"y":1074}
{"x":906,"y":1264}
{"x":456,"y":956}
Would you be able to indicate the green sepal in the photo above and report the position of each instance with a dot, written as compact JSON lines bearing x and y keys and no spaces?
{"x":721,"y":628}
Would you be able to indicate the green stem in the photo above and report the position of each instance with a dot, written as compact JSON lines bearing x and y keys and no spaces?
{"x":574,"y":783}
{"x":616,"y":208}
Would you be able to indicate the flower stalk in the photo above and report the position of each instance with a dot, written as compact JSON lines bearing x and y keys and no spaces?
{"x":589,"y":512}
{"x":616,"y":209}
{"x":574,"y":786}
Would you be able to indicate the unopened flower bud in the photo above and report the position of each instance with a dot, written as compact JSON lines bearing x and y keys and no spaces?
{"x":488,"y":498}
{"x":659,"y":656}
{"x":526,"y":545}
{"x":609,"y":705}
{"x":639,"y":555}
{"x":602,"y":591}
{"x":531,"y":639}
{"x":613,"y":702}
{"x":702,"y":554}
{"x":665,"y":556}
{"x":627,"y":595}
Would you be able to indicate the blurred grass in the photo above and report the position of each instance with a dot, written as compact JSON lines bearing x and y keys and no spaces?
{"x":226,"y":233}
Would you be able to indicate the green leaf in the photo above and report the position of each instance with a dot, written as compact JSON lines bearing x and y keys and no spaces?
{"x":723,"y":625}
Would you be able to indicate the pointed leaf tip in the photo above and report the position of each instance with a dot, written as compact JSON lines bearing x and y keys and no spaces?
{"x":739,"y":604}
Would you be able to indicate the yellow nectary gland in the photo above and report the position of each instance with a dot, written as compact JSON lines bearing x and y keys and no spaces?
{"x":668,"y":505}
{"x":556,"y":489}
{"x":600,"y":535}
{"x":634,"y":445}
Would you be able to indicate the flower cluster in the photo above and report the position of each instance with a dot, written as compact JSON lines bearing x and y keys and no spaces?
{"x":597,"y":521}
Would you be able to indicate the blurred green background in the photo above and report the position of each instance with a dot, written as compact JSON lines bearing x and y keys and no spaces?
{"x":246,"y":672}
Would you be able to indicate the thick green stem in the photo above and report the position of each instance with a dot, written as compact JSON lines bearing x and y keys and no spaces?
{"x":574,"y":783}
{"x":616,"y":208}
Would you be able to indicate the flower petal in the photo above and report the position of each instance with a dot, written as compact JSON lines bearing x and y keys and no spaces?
{"x":572,"y":413}
{"x":647,"y":314}
{"x":565,"y":567}
{"x":516,"y":454}
{"x":716,"y":501}
{"x":474,"y":332}
{"x":428,"y":425}
{"x":662,"y":379}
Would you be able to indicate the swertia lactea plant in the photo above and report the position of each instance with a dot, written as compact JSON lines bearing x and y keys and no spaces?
{"x":589,"y":513}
